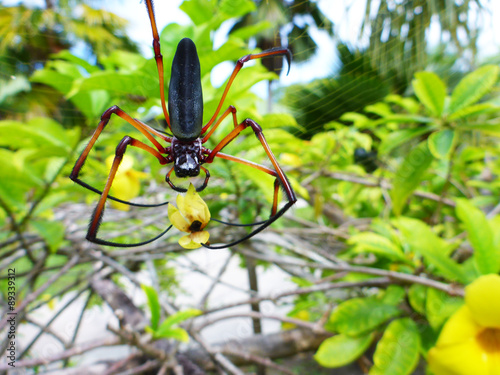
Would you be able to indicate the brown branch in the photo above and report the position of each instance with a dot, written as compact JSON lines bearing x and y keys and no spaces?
{"x":32,"y":296}
{"x":76,"y":350}
{"x":299,"y":291}
{"x":257,"y":359}
{"x":385,"y":185}
{"x":451,"y":289}
{"x":257,"y":315}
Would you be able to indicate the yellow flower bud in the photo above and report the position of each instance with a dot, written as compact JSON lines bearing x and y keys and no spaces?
{"x":191,"y":215}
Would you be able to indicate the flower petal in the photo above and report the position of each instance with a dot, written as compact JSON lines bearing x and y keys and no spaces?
{"x":482,"y":297}
{"x":466,"y":358}
{"x":200,"y":237}
{"x":126,"y":188}
{"x":125,"y":165}
{"x":187,"y":242}
{"x":459,"y":328}
{"x":177,"y":220}
{"x":193,"y":207}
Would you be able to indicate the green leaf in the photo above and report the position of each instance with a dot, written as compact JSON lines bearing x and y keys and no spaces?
{"x":154,"y":305}
{"x":179,"y":317}
{"x":66,"y":55}
{"x":177,"y":333}
{"x":431,"y":91}
{"x":492,"y":128}
{"x":435,"y":250}
{"x":17,"y":180}
{"x":368,"y":242}
{"x":474,"y":110}
{"x":486,"y":255}
{"x":399,"y":137}
{"x":236,"y":8}
{"x":416,"y":297}
{"x":60,"y":82}
{"x":472,"y":87}
{"x":360,"y":315}
{"x":403,"y":118}
{"x":251,"y":30}
{"x":340,"y":350}
{"x":441,"y":143}
{"x":51,"y":231}
{"x":409,"y":175}
{"x":393,"y":295}
{"x":198,"y":10}
{"x":397,"y":353}
{"x":36,"y":133}
{"x":439,"y":306}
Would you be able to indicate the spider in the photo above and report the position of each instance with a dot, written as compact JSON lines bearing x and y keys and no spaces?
{"x":185,"y":149}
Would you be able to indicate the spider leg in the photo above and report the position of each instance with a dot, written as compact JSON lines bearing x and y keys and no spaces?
{"x":96,"y":219}
{"x":142,"y":127}
{"x":231,"y":110}
{"x":281,"y":179}
{"x":158,"y":58}
{"x":270,"y":52}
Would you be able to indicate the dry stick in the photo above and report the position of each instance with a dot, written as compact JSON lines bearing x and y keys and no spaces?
{"x":77,"y":350}
{"x":32,"y":296}
{"x":215,"y":281}
{"x":132,"y":338}
{"x":266,"y":362}
{"x":142,"y":369}
{"x":33,"y":273}
{"x":316,"y":227}
{"x":60,"y":293}
{"x":386,"y":185}
{"x":218,"y":359}
{"x":255,"y":307}
{"x":46,"y":330}
{"x":299,"y":291}
{"x":195,"y":268}
{"x":258,"y":315}
{"x":78,"y":323}
{"x":17,"y":228}
{"x":54,"y":317}
{"x":450,"y":289}
{"x":115,"y":367}
{"x":115,"y":265}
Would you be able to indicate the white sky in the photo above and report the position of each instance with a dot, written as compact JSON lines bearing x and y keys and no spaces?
{"x":345,"y":14}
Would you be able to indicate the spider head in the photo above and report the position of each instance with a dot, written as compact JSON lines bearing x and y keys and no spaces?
{"x":187,"y":156}
{"x":186,"y":165}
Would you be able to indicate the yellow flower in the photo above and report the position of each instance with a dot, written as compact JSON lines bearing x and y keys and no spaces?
{"x":469,"y":343}
{"x":126,"y":185}
{"x":191,"y":215}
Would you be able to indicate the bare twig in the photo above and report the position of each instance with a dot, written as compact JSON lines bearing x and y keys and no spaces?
{"x":76,"y":350}
{"x":259,"y":360}
{"x":32,"y":296}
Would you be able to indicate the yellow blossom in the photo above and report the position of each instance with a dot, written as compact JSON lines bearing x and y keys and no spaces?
{"x":191,"y":215}
{"x":126,"y":185}
{"x":470,"y":340}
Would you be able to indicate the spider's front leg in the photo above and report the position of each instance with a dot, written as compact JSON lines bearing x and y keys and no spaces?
{"x":96,"y":218}
{"x":142,"y":127}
